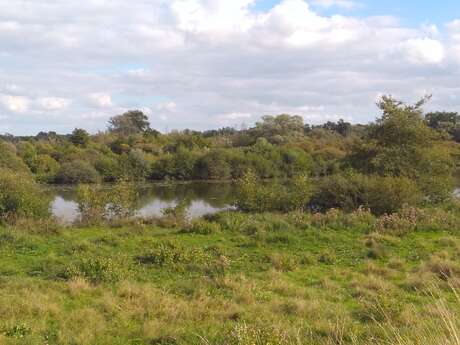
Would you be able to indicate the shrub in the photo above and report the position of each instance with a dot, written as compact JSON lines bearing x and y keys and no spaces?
{"x":108,"y":168}
{"x":20,"y":196}
{"x":171,"y":254}
{"x":77,"y":172}
{"x":10,"y":160}
{"x":284,"y":262}
{"x":202,"y":227}
{"x":95,"y":270}
{"x":44,"y":167}
{"x":254,"y":196}
{"x":379,"y":194}
{"x":414,"y":219}
{"x":96,"y":204}
{"x":175,"y":216}
{"x":122,"y":199}
{"x":92,"y":202}
{"x":213,"y":166}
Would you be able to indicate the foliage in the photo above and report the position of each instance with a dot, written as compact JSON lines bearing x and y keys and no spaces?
{"x":20,"y":196}
{"x":447,"y":123}
{"x":96,"y":270}
{"x":131,"y":122}
{"x":202,"y":227}
{"x":79,"y":137}
{"x":97,"y":204}
{"x":77,"y":172}
{"x":400,"y":144}
{"x":9,"y":159}
{"x":279,"y":129}
{"x":352,"y":191}
{"x":122,"y":198}
{"x":92,"y":203}
{"x":257,"y":196}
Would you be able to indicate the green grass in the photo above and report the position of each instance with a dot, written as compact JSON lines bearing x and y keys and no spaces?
{"x":253,"y":279}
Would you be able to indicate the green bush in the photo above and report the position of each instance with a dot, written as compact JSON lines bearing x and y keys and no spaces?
{"x":122,"y":198}
{"x":10,"y":160}
{"x":379,"y":194}
{"x":256,"y":196}
{"x":20,"y":196}
{"x":92,"y":203}
{"x":97,"y":204}
{"x":77,"y":172}
{"x":44,"y":167}
{"x":171,"y":254}
{"x":96,"y":270}
{"x":202,"y":227}
{"x":213,"y":166}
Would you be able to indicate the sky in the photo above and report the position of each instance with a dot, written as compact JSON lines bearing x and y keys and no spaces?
{"x":203,"y":64}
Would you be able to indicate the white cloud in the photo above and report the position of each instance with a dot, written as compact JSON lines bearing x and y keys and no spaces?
{"x":167,"y":106}
{"x":337,"y":3}
{"x":424,"y":51}
{"x":53,"y":103}
{"x":214,"y":17}
{"x":15,"y":104}
{"x":102,"y":100}
{"x":236,"y":116}
{"x":218,"y":60}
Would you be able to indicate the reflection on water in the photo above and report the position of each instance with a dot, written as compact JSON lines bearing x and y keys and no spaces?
{"x":202,"y":198}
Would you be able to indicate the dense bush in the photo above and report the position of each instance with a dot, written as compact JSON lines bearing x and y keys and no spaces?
{"x":20,"y":196}
{"x":9,"y":159}
{"x":95,"y":270}
{"x":77,"y":172}
{"x":213,"y":166}
{"x":256,"y":196}
{"x":97,"y":204}
{"x":351,"y":191}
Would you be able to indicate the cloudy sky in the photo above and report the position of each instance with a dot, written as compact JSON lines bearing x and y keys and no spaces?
{"x":210,"y":63}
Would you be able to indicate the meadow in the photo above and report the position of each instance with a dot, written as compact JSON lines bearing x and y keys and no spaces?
{"x":235,"y":278}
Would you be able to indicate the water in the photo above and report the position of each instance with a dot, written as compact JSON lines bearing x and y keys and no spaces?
{"x":202,"y":198}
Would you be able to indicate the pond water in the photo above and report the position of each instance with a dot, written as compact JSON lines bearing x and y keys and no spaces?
{"x":201,"y":197}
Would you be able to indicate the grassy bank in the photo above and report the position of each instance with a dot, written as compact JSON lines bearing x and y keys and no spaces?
{"x":235,"y":279}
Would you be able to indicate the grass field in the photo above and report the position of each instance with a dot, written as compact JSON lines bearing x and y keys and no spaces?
{"x":233,"y":279}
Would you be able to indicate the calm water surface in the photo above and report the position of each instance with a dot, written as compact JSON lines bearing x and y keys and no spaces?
{"x":201,"y":197}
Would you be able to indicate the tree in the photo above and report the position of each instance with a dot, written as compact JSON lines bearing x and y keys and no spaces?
{"x":79,"y":137}
{"x":445,"y":122}
{"x":278,"y":129}
{"x":401,"y":144}
{"x":130,"y":122}
{"x":341,"y":127}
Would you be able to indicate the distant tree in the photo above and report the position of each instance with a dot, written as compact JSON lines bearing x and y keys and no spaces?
{"x":341,"y":127}
{"x":440,"y":119}
{"x":79,"y":137}
{"x":445,"y":122}
{"x":278,"y":129}
{"x":131,"y":122}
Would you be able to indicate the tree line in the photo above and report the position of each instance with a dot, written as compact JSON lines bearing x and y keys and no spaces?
{"x":404,"y":155}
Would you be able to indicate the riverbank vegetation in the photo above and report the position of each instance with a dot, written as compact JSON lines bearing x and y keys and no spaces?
{"x":353,"y":240}
{"x":276,"y":147}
